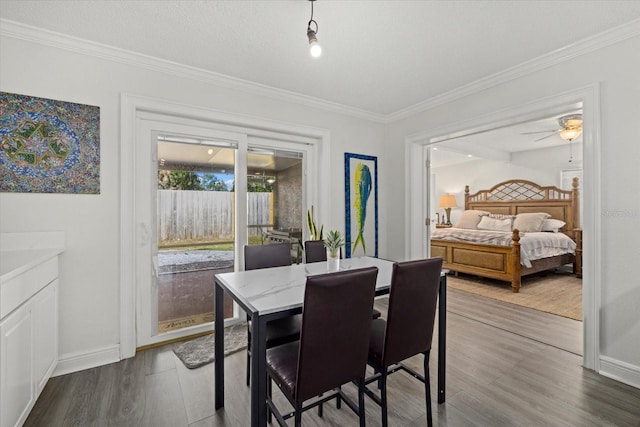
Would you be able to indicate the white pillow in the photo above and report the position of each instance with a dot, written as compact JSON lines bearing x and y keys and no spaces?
{"x":494,"y":224}
{"x":470,"y":219}
{"x":551,"y":224}
{"x":530,"y":222}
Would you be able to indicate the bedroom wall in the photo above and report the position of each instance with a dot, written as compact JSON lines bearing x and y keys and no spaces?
{"x":481,"y":174}
{"x":540,"y":166}
{"x":89,"y":271}
{"x":616,"y":68}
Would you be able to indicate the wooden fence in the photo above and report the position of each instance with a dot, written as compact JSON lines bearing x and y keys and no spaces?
{"x":207,"y":215}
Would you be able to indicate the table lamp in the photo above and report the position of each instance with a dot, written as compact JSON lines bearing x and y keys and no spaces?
{"x":447,"y":202}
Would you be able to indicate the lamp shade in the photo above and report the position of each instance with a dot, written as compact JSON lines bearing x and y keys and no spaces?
{"x":569,"y":134}
{"x":448,"y":201}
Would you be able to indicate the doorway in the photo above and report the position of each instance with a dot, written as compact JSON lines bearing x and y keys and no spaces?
{"x":530,"y":152}
{"x":196,"y":215}
{"x":194,"y":232}
{"x":419,"y":208}
{"x":210,"y":175}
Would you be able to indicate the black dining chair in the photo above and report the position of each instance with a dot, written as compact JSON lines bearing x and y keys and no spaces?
{"x":333,"y":345}
{"x":280,"y":331}
{"x":314,"y":251}
{"x":408,"y":329}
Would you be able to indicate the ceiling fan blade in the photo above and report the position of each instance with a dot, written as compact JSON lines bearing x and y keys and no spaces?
{"x":545,"y":137}
{"x":540,"y":131}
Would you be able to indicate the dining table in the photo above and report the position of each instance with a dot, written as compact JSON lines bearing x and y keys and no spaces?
{"x":277,"y":292}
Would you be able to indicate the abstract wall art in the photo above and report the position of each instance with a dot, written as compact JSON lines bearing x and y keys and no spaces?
{"x":48,"y":146}
{"x":361,"y":205}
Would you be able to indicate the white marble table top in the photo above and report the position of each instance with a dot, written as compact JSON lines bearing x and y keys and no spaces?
{"x":275,"y":289}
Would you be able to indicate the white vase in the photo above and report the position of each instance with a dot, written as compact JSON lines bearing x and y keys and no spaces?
{"x":333,"y":263}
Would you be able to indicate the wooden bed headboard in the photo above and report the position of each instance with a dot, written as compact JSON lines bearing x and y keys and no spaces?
{"x":521,"y":196}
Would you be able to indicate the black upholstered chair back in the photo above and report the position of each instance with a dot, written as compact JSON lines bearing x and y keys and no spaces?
{"x":314,"y":251}
{"x":336,"y":325}
{"x":412,"y":306}
{"x":265,"y":256}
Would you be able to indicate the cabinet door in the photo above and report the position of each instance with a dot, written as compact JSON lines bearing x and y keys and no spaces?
{"x":17,"y":394}
{"x":45,"y":317}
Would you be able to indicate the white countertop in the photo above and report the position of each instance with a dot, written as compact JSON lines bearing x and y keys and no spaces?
{"x":14,"y":263}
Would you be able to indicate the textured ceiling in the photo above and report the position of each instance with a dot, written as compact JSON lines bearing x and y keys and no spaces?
{"x":379,"y":56}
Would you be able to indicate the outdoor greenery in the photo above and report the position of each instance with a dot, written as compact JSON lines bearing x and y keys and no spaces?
{"x":188,"y":180}
{"x":202,"y":181}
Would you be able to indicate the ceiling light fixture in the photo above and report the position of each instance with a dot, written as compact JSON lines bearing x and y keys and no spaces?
{"x":571,"y":126}
{"x":314,"y":47}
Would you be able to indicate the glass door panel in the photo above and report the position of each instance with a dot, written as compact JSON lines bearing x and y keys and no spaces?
{"x":275,"y":198}
{"x":195,"y":229}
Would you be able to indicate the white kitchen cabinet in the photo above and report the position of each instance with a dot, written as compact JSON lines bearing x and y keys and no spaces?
{"x":28,"y":329}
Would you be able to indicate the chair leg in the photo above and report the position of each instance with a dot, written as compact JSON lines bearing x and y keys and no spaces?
{"x":427,"y":390}
{"x":338,"y":400}
{"x":361,"y":413}
{"x":269,"y":398}
{"x":248,"y":367}
{"x":383,"y":397}
{"x":320,"y":409}
{"x":248,"y":352}
{"x":298,"y":416}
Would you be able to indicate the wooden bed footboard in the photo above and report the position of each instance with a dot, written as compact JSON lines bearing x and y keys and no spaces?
{"x":503,"y":262}
{"x":496,"y":262}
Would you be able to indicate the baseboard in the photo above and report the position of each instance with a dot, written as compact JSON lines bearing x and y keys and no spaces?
{"x":80,"y":361}
{"x":620,"y":371}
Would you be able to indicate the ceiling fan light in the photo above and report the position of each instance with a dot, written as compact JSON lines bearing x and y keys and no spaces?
{"x":569,"y":134}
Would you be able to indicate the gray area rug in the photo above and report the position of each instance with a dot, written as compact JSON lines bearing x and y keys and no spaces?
{"x":199,"y":351}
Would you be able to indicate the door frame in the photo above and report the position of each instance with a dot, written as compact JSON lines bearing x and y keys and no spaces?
{"x":149,"y":127}
{"x":417,"y":206}
{"x":132,"y":233}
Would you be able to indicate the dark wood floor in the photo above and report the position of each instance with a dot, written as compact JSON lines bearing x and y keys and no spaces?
{"x":506,"y":366}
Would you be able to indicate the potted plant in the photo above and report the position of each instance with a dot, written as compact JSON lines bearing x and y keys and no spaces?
{"x":315,"y":233}
{"x":333,"y":242}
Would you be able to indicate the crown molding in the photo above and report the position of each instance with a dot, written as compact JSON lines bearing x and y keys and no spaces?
{"x":74,"y":44}
{"x":582,"y":47}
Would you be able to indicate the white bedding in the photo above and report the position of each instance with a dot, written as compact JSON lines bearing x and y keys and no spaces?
{"x":532,"y":245}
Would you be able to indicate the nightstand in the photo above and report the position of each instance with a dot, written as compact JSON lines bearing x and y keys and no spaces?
{"x":444,"y":225}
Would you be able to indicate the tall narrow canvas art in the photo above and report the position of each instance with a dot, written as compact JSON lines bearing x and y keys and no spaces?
{"x":48,"y":146}
{"x":361,"y":205}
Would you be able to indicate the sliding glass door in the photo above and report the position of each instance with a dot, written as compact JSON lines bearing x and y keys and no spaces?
{"x":201,"y":194}
{"x":275,"y":197}
{"x":195,"y":228}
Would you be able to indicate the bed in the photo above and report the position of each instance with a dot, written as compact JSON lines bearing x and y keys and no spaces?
{"x":503,"y":258}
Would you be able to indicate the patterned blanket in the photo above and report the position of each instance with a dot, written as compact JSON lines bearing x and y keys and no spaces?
{"x":532,"y":245}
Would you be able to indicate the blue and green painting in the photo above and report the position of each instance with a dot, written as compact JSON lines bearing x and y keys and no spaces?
{"x":48,"y":146}
{"x":361,"y":205}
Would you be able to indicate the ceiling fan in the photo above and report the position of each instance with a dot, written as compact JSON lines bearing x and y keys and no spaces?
{"x":570,"y":128}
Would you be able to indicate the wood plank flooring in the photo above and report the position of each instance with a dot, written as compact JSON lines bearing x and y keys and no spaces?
{"x":506,"y":366}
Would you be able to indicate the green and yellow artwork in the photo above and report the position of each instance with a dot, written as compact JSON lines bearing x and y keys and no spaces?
{"x":361,"y":205}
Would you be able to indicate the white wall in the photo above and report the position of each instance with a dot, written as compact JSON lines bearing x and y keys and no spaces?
{"x":616,"y":69}
{"x":480,"y":175}
{"x":89,"y":272}
{"x":540,"y":166}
